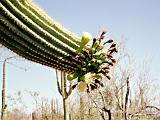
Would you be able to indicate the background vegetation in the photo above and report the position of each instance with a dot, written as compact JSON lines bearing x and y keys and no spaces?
{"x":131,"y":94}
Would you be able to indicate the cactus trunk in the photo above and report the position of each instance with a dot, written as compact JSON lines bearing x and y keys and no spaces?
{"x":4,"y":106}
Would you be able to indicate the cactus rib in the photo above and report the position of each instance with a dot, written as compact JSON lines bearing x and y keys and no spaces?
{"x":26,"y":53}
{"x":47,"y":19}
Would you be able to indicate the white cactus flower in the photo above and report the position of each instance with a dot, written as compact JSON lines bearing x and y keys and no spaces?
{"x":85,"y":39}
{"x":89,"y":77}
{"x":104,"y":52}
{"x":86,"y":36}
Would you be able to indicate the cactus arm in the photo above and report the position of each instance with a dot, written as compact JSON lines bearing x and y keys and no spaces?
{"x":31,"y":33}
{"x":32,"y":44}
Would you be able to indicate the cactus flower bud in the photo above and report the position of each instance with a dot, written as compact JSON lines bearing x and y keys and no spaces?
{"x":96,"y":44}
{"x":72,"y":76}
{"x":100,"y":47}
{"x":92,"y":50}
{"x":99,"y":75}
{"x":85,"y":39}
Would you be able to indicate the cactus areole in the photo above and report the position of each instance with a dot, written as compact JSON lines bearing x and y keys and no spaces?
{"x":28,"y":31}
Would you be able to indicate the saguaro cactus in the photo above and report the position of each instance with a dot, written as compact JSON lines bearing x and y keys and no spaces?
{"x":4,"y":103}
{"x":4,"y":106}
{"x":62,"y":88}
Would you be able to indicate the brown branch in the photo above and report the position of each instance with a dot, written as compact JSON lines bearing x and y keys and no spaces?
{"x":59,"y":88}
{"x":127,"y":94}
{"x":63,"y":77}
{"x":126,"y":98}
{"x":138,"y":113}
{"x":70,"y":89}
{"x":118,"y":89}
{"x":104,"y":109}
{"x":148,"y":114}
{"x":153,"y":107}
{"x":118,"y":101}
{"x":102,"y":97}
{"x":109,"y":113}
{"x":99,"y":109}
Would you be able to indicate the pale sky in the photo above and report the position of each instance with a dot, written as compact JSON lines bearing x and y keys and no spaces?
{"x":137,"y":22}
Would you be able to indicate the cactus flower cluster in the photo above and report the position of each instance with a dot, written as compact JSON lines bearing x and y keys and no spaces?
{"x":95,"y":62}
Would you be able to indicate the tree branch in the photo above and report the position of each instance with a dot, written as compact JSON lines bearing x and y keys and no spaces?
{"x":59,"y":88}
{"x":126,"y":98}
{"x":153,"y":107}
{"x":118,"y":101}
{"x":70,"y":89}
